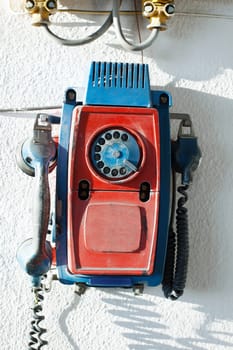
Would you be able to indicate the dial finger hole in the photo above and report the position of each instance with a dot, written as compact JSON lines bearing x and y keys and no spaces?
{"x":100,"y":165}
{"x":124,"y":137}
{"x":106,"y":170}
{"x":97,"y":148}
{"x":114,"y":172}
{"x":97,"y":156}
{"x":123,"y":171}
{"x":108,"y":136}
{"x":116,"y":134}
{"x":101,"y":141}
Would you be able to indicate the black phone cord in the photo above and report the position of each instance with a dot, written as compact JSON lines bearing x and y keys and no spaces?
{"x":176,"y":265}
{"x":36,"y":342}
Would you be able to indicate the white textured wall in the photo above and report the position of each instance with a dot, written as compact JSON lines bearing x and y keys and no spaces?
{"x":194,"y":61}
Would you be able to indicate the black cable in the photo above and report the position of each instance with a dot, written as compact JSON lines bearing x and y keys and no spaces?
{"x":182,"y":249}
{"x":176,"y":264}
{"x":36,"y":341}
{"x":167,"y":283}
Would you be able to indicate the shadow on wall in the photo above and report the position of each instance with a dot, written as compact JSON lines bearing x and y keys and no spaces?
{"x":139,"y":324}
{"x":211,"y":194}
{"x":64,"y":318}
{"x":146,"y":328}
{"x":194,"y":48}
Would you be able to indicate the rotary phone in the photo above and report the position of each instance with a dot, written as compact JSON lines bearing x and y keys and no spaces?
{"x":113,"y":221}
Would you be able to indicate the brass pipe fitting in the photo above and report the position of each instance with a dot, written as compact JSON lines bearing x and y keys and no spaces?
{"x":40,"y":10}
{"x":158,"y":12}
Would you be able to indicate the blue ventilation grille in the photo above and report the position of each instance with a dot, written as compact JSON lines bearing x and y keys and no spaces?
{"x":118,"y":84}
{"x":119,"y":75}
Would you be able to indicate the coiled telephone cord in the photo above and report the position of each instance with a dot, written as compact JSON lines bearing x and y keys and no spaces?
{"x":176,"y":266}
{"x":36,"y":341}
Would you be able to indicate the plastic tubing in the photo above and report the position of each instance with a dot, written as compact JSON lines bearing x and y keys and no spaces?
{"x":84,"y":40}
{"x":120,"y":36}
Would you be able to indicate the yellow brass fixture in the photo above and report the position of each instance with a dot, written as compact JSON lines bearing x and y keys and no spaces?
{"x":40,"y":10}
{"x":158,"y":12}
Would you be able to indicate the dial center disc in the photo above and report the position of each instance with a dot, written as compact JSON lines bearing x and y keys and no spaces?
{"x":115,"y":154}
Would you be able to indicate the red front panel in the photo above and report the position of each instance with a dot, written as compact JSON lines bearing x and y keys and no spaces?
{"x":112,"y":231}
{"x":89,"y":121}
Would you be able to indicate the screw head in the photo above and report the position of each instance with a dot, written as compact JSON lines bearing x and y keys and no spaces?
{"x":170,"y":9}
{"x":148,"y":8}
{"x":164,"y":99}
{"x":51,"y":4}
{"x":71,"y":95}
{"x":29,"y":4}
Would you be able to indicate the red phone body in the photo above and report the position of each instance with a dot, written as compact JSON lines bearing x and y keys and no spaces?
{"x":113,"y":231}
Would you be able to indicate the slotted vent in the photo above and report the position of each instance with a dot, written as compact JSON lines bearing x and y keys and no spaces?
{"x":119,"y":75}
{"x":106,"y":78}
